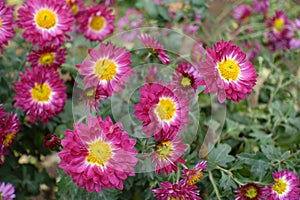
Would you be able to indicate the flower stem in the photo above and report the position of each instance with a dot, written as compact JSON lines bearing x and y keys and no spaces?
{"x":211,"y":178}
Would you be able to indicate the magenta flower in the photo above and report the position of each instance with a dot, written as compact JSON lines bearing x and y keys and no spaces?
{"x":168,"y":151}
{"x":250,"y":191}
{"x":7,"y":191}
{"x":46,"y":22}
{"x":241,"y":12}
{"x":155,"y":48}
{"x":109,"y":67}
{"x":51,"y":141}
{"x":76,"y":6}
{"x":161,"y":109}
{"x":179,"y":190}
{"x":6,"y":24}
{"x":286,"y":186}
{"x":50,"y":57}
{"x":261,"y":6}
{"x":98,"y":155}
{"x":198,"y":52}
{"x":96,"y":22}
{"x":192,"y":27}
{"x":40,"y":93}
{"x":226,"y":72}
{"x":191,"y":176}
{"x":93,"y":96}
{"x":9,"y":127}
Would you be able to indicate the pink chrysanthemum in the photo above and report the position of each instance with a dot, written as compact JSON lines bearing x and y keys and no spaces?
{"x":198,"y":52}
{"x":161,"y":109}
{"x":168,"y":151}
{"x":6,"y":24}
{"x":46,"y":22}
{"x":226,"y":72}
{"x":96,"y":22}
{"x":40,"y":93}
{"x":98,"y":155}
{"x":250,"y":191}
{"x":191,"y":176}
{"x":76,"y":6}
{"x":241,"y":12}
{"x":281,"y":31}
{"x":93,"y":96}
{"x":286,"y":186}
{"x":50,"y":57}
{"x":261,"y":6}
{"x":9,"y":127}
{"x":180,"y":190}
{"x":186,"y":77}
{"x":155,"y":48}
{"x":109,"y":67}
{"x":7,"y":191}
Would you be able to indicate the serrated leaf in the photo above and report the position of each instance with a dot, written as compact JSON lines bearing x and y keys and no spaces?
{"x":219,"y":156}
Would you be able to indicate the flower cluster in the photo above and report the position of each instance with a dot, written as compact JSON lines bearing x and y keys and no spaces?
{"x":7,"y":191}
{"x":9,"y":127}
{"x":6,"y":24}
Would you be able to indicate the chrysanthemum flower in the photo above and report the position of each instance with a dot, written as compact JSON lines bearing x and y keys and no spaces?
{"x":226,"y":72}
{"x":93,"y":96}
{"x":75,"y":6}
{"x":155,"y":48}
{"x":241,"y":12}
{"x":180,"y":190}
{"x":6,"y":24}
{"x":186,"y":77}
{"x":161,"y":109}
{"x":109,"y":67}
{"x":191,"y":176}
{"x":50,"y":57}
{"x":250,"y":191}
{"x":261,"y":6}
{"x":40,"y":93}
{"x":98,"y":155}
{"x":7,"y":191}
{"x":168,"y":151}
{"x":286,"y":186}
{"x":9,"y":127}
{"x":46,"y":22}
{"x":281,"y":31}
{"x":51,"y":141}
{"x":197,"y":54}
{"x":96,"y":22}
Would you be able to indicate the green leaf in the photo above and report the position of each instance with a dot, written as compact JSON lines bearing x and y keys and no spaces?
{"x":219,"y":156}
{"x":226,"y":182}
{"x":163,"y":12}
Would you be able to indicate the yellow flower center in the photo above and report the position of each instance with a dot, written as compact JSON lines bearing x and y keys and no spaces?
{"x":46,"y":18}
{"x":196,"y":177}
{"x":97,"y":23}
{"x":99,"y":153}
{"x":229,"y":69}
{"x":8,"y":138}
{"x":70,"y":1}
{"x":186,"y":81}
{"x":105,"y":69}
{"x":280,"y":186}
{"x":174,"y":198}
{"x":41,"y":92}
{"x":0,"y":22}
{"x":74,"y":9}
{"x":164,"y":150}
{"x":251,"y":193}
{"x":165,"y":109}
{"x":47,"y":58}
{"x":279,"y":24}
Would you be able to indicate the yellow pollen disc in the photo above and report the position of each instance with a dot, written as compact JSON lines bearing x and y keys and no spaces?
{"x":280,"y":186}
{"x":0,"y":22}
{"x":97,"y":23}
{"x":251,"y":193}
{"x":195,"y":178}
{"x":74,"y":9}
{"x":47,"y":59}
{"x":279,"y":24}
{"x":165,"y":109}
{"x":99,"y":153}
{"x":46,"y":18}
{"x":8,"y":138}
{"x":41,"y":92}
{"x":185,"y":81}
{"x":105,"y":69}
{"x":70,"y":1}
{"x":229,"y":69}
{"x":164,"y":150}
{"x":173,"y":198}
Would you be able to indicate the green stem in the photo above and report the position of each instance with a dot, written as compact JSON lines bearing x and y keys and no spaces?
{"x":211,"y":178}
